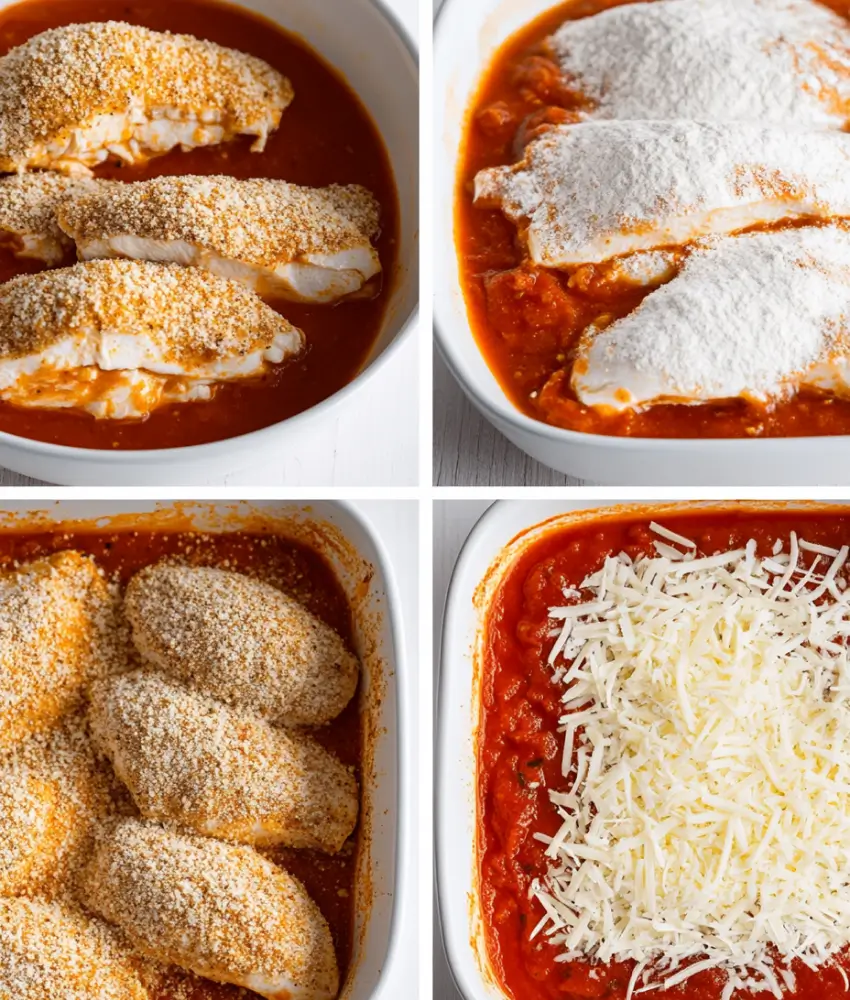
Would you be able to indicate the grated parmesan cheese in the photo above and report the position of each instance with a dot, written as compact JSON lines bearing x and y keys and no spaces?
{"x":706,"y":806}
{"x":578,"y":198}
{"x":745,"y":60}
{"x":660,"y":352}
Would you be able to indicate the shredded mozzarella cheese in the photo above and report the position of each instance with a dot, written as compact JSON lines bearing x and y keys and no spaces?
{"x":706,"y":800}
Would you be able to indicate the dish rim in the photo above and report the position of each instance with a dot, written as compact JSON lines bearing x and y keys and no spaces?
{"x":403,"y":750}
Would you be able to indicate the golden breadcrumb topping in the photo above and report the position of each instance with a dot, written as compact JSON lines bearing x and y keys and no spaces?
{"x":65,"y":78}
{"x":28,"y":202}
{"x":220,"y":771}
{"x":192,"y":315}
{"x":262,"y":222}
{"x":52,"y":796}
{"x":241,"y":641}
{"x":57,"y":633}
{"x":51,"y":951}
{"x":218,"y":909}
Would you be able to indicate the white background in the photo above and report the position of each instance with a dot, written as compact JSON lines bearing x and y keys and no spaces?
{"x":373,"y":438}
{"x":468,"y":451}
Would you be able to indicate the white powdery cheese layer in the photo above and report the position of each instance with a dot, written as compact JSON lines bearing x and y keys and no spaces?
{"x":767,"y":60}
{"x":588,"y":192}
{"x":706,"y":803}
{"x":750,"y":316}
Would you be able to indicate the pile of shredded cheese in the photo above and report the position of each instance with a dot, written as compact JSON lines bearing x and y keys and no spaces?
{"x":706,"y":804}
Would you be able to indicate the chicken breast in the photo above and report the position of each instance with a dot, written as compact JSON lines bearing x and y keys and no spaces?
{"x":240,"y":641}
{"x":53,"y":613}
{"x":218,"y":771}
{"x":73,"y":96}
{"x":754,"y":316}
{"x":782,"y":61}
{"x":52,"y":796}
{"x":219,"y":910}
{"x":49,"y":951}
{"x":32,"y":830}
{"x":28,"y":224}
{"x":577,"y":197}
{"x":119,"y":338}
{"x":281,"y":241}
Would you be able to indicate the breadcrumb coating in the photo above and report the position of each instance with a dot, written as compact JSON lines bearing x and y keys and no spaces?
{"x":51,"y":951}
{"x":28,"y":204}
{"x":75,"y":92}
{"x":56,"y":616}
{"x":219,"y":771}
{"x":191,"y":317}
{"x":241,"y":641}
{"x":263,"y":222}
{"x":220,"y":910}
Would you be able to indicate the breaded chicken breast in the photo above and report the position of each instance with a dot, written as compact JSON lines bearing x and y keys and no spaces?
{"x":219,"y":910}
{"x":52,"y":615}
{"x":240,"y":641}
{"x":49,"y":951}
{"x":219,"y":771}
{"x":119,"y":338}
{"x":73,"y":96}
{"x":280,"y":240}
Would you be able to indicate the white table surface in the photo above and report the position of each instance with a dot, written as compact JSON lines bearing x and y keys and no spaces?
{"x":372,"y":441}
{"x":453,"y":521}
{"x":396,"y":522}
{"x":469,"y":451}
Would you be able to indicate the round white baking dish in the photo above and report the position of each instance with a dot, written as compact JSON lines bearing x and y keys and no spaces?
{"x":365,"y":42}
{"x":468,"y":33}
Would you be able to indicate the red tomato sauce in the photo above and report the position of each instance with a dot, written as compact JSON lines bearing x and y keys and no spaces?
{"x":527,"y":320}
{"x":306,"y":576}
{"x":326,"y":136}
{"x":519,"y":745}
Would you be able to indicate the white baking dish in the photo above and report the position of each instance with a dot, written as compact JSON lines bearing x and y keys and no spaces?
{"x":349,"y":544}
{"x":365,"y":42}
{"x":503,"y":533}
{"x":468,"y":33}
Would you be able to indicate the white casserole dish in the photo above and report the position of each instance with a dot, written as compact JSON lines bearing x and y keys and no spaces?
{"x":362,"y":40}
{"x":501,"y":534}
{"x":349,"y":544}
{"x":468,"y":33}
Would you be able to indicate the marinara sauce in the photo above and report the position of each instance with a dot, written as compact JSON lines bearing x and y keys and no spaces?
{"x":519,"y":747}
{"x":303,"y":574}
{"x":325,"y":136}
{"x":527,"y":320}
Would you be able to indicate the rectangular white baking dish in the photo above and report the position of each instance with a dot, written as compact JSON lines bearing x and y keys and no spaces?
{"x":347,"y":541}
{"x":502,"y":533}
{"x":468,"y":33}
